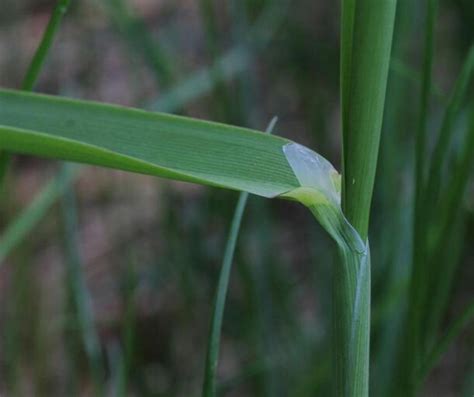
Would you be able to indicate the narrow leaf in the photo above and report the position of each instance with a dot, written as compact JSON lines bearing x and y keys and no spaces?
{"x":212,"y":356}
{"x":150,"y":143}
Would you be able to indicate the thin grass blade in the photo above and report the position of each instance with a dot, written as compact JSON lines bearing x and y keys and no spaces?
{"x":29,"y":218}
{"x":81,"y":296}
{"x":209,"y":386}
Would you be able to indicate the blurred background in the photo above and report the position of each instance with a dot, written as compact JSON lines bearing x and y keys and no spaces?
{"x":107,"y":281}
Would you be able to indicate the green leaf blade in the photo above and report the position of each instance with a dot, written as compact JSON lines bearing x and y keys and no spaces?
{"x":151,"y":143}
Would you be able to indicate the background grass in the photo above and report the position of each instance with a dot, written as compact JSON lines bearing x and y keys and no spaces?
{"x":150,"y":251}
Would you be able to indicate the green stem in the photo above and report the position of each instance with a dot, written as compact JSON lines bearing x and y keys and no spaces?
{"x":351,"y":304}
{"x":212,"y":357}
{"x":365,"y":54}
{"x":366,"y":40}
{"x":351,"y":311}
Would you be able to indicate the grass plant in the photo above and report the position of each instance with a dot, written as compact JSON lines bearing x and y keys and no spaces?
{"x":278,"y":166}
{"x":251,"y":162}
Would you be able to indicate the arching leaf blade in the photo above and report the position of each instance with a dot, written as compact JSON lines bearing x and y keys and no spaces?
{"x":151,"y":143}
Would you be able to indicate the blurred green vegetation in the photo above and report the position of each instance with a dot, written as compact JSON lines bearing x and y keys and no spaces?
{"x":108,"y":282}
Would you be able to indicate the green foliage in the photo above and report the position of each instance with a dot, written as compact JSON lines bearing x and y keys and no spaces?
{"x":194,"y":151}
{"x":245,"y":160}
{"x":440,"y":182}
{"x":37,"y":63}
{"x":150,"y":143}
{"x":367,"y":29}
{"x":212,"y":356}
{"x":366,"y":40}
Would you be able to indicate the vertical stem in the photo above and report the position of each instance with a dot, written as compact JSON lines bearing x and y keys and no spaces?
{"x":351,"y":322}
{"x":363,"y":98}
{"x":366,"y":35}
{"x":80,"y":293}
